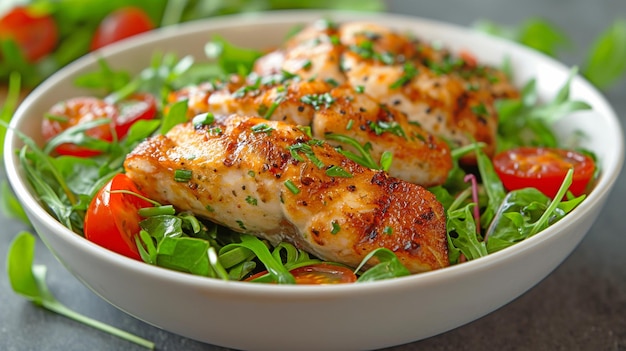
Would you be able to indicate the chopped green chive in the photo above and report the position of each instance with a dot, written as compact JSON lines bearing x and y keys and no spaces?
{"x":336,"y":171}
{"x":359,"y":89}
{"x":262,"y":128}
{"x":251,"y":173}
{"x":203,"y":119}
{"x":215,"y":130}
{"x":381,"y":127}
{"x":318,"y":100}
{"x":480,"y":110}
{"x":388,"y":230}
{"x":307,"y":150}
{"x":306,"y":130}
{"x":209,"y":208}
{"x":410,"y":71}
{"x":349,"y":124}
{"x":336,"y":227}
{"x":332,"y":82}
{"x":241,"y":225}
{"x":182,"y":175}
{"x":273,"y":107}
{"x":307,"y":65}
{"x":292,"y":187}
{"x":251,"y":200}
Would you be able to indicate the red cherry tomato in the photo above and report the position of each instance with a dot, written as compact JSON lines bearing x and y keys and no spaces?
{"x":36,"y":34}
{"x":112,"y":220}
{"x":137,"y":107}
{"x":120,"y":24}
{"x":72,"y":112}
{"x":323,"y":273}
{"x":544,"y":169}
{"x":319,"y":273}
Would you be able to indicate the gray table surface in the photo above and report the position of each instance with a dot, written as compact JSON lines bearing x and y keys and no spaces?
{"x":580,"y":306}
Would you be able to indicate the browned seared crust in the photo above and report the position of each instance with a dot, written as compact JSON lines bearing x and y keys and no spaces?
{"x":242,"y":175}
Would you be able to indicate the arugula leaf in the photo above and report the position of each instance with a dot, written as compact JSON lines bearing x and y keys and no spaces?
{"x":461,"y":233}
{"x":106,"y":78}
{"x":525,"y":212}
{"x":492,"y":184}
{"x":606,"y":61}
{"x":231,"y":59}
{"x":534,"y":32}
{"x":524,"y":122}
{"x":275,"y":267}
{"x":389,"y":266}
{"x":29,"y":281}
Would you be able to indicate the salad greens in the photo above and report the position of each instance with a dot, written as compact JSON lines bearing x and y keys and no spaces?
{"x":605,"y":64}
{"x":183,"y":242}
{"x":77,"y":21}
{"x":29,"y":281}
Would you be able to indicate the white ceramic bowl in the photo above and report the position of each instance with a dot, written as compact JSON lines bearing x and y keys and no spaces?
{"x":359,"y":316}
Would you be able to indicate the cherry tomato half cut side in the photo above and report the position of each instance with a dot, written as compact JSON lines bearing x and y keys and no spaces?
{"x":112,"y":220}
{"x":544,"y":169}
{"x":139,"y":106}
{"x":318,"y":274}
{"x":72,"y":112}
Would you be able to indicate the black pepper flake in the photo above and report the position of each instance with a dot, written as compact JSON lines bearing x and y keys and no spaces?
{"x":300,"y":108}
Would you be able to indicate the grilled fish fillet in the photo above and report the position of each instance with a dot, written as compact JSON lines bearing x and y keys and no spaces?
{"x":451,"y":96}
{"x":418,"y":156}
{"x":270,"y":179}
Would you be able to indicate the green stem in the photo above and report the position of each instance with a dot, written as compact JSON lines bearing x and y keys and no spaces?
{"x":62,"y":310}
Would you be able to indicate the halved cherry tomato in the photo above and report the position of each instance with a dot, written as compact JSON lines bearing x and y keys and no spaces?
{"x":36,"y":34}
{"x":112,"y":220}
{"x":136,"y":107}
{"x":120,"y":24}
{"x":544,"y":169}
{"x":72,"y":112}
{"x":319,"y":273}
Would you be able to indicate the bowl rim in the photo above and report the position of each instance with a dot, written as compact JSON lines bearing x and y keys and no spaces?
{"x":285,"y":17}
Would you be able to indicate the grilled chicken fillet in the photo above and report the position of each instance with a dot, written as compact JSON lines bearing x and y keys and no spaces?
{"x":270,"y":179}
{"x":449,"y":95}
{"x":330,"y":110}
